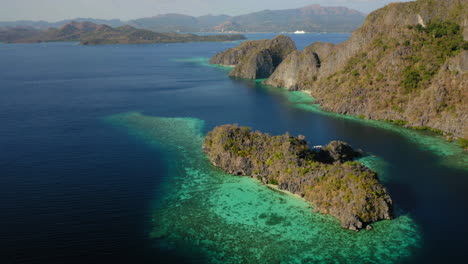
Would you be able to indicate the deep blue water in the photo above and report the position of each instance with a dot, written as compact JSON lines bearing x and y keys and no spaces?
{"x":74,"y":189}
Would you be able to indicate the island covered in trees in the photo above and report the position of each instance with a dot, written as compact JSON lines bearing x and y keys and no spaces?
{"x":328,"y":177}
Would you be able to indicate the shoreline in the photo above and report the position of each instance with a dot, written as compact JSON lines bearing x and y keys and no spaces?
{"x":441,"y":136}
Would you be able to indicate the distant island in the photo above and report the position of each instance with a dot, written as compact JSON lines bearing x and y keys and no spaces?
{"x":312,"y":18}
{"x":326,"y":176}
{"x":407,"y":64}
{"x":88,"y":33}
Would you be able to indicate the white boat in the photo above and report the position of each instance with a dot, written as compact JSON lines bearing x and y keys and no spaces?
{"x":299,"y":32}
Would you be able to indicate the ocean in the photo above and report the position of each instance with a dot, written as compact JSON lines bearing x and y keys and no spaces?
{"x":101,"y":161}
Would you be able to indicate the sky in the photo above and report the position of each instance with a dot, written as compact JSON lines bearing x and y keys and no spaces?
{"x":54,"y":10}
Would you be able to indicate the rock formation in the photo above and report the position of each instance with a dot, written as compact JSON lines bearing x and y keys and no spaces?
{"x":298,"y":70}
{"x":408,"y":63}
{"x":256,"y":59}
{"x":326,"y":177}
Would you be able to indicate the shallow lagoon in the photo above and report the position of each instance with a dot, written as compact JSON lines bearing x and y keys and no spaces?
{"x":238,"y":220}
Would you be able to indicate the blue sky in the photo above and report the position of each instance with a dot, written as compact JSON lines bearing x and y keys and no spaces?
{"x":53,"y":10}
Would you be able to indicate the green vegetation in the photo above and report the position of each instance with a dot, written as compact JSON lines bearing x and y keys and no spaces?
{"x":329,"y":178}
{"x":422,"y":128}
{"x":431,"y":46}
{"x":397,"y":122}
{"x":463,"y":142}
{"x":411,"y":79}
{"x":273,"y":181}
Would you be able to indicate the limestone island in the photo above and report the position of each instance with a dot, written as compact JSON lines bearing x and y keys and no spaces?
{"x":407,"y":64}
{"x":326,"y":176}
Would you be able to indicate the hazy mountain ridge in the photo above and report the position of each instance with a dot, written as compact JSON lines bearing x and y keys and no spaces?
{"x":313,"y":18}
{"x":88,"y":33}
{"x":45,"y":24}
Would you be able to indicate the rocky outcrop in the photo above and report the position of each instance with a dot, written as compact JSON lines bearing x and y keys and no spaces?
{"x":394,"y":68}
{"x":337,"y":151}
{"x":327,"y":177}
{"x":297,"y":71}
{"x":256,"y":59}
{"x":407,"y":64}
{"x":233,"y":56}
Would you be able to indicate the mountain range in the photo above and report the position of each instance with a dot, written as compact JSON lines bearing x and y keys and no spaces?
{"x":88,"y":33}
{"x":312,"y":18}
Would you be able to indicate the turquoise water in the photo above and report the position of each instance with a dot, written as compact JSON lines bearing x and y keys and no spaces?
{"x":203,"y":61}
{"x":452,"y":155}
{"x":75,"y":189}
{"x":238,"y":220}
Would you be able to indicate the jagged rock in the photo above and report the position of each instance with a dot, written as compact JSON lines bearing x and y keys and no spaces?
{"x":366,"y":75}
{"x":256,"y":66}
{"x":341,"y":151}
{"x":348,"y":190}
{"x":297,"y":71}
{"x":459,"y":63}
{"x":256,"y":59}
{"x":233,"y":56}
{"x":391,"y":68}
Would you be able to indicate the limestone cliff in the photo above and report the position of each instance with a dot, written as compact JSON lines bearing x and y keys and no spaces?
{"x":256,"y":59}
{"x":298,"y":70}
{"x":327,"y":177}
{"x":408,"y":63}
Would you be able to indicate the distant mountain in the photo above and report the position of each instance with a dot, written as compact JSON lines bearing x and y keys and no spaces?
{"x":12,"y":34}
{"x":313,"y":18}
{"x":227,"y":27}
{"x":88,"y":33}
{"x":46,"y":25}
{"x":178,"y":22}
{"x":167,"y":23}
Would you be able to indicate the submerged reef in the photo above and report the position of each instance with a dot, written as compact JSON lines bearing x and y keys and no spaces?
{"x":325,"y":176}
{"x":227,"y":219}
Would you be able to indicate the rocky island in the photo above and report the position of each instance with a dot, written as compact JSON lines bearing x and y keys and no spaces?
{"x":88,"y":33}
{"x":407,"y":64}
{"x":327,"y":177}
{"x":256,"y":59}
